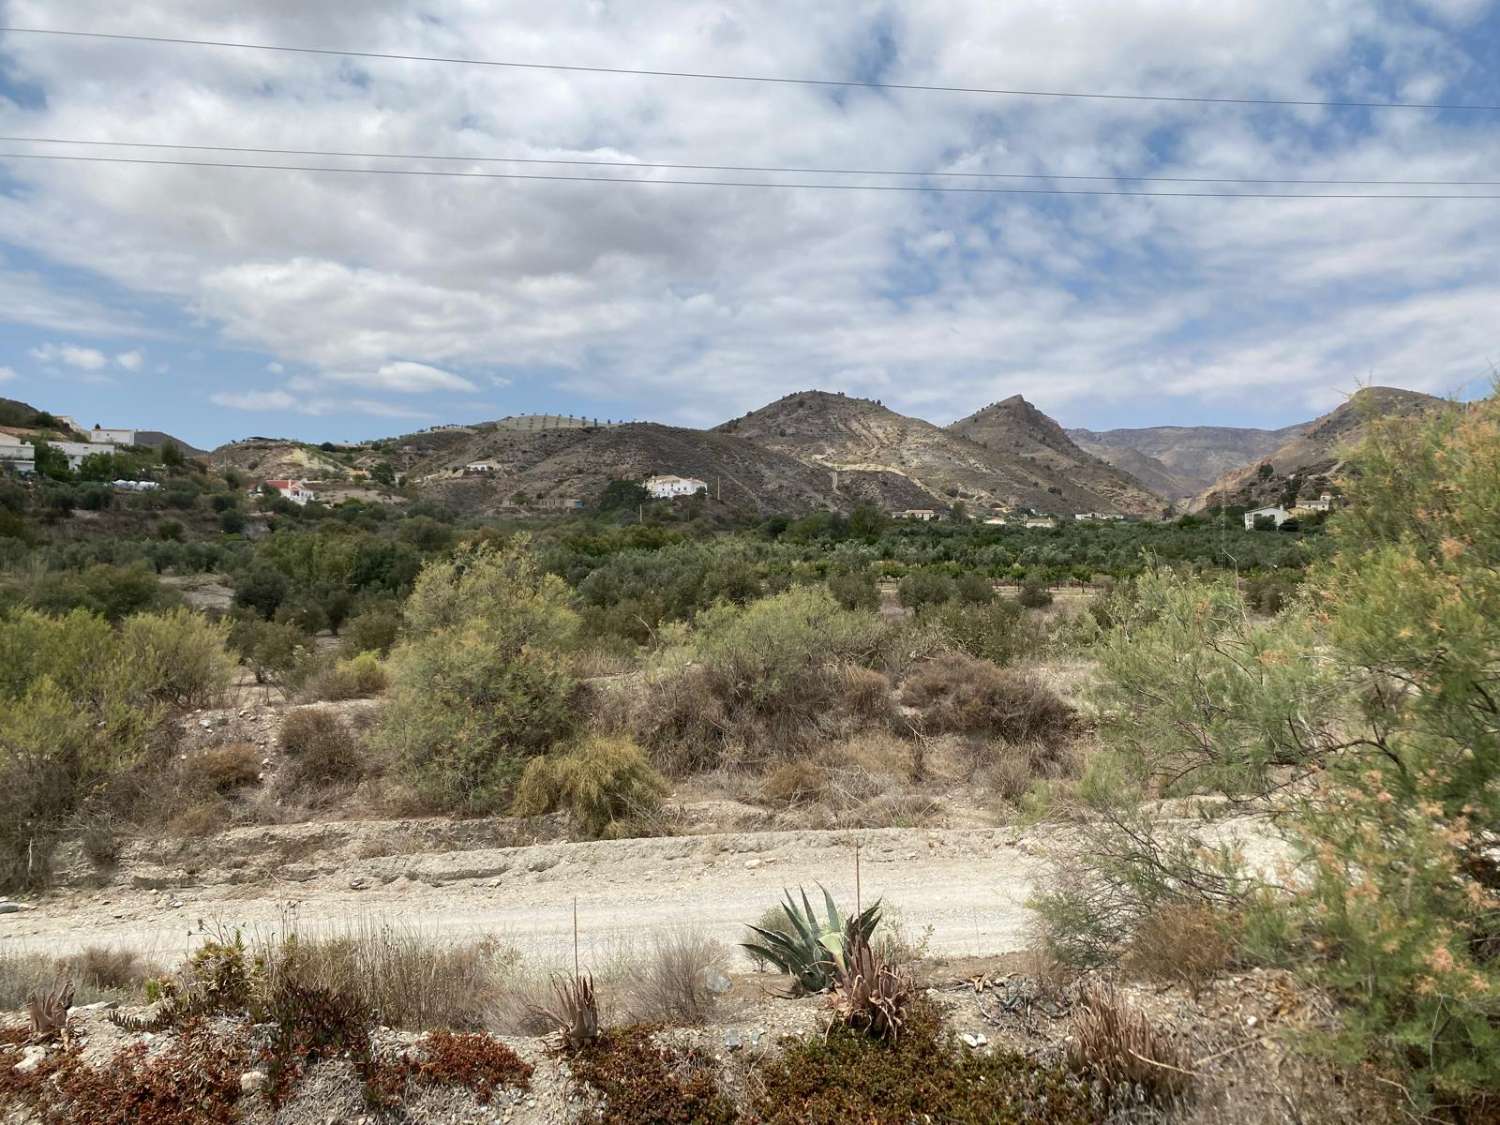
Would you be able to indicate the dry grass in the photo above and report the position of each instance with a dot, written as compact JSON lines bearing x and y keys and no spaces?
{"x":97,"y":973}
{"x":955,"y":693}
{"x":672,"y":986}
{"x":1120,"y":1046}
{"x":794,"y":783}
{"x":398,"y":973}
{"x":222,"y":769}
{"x":1180,"y":943}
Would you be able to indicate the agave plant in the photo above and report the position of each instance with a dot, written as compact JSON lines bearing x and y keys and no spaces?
{"x":575,"y":1016}
{"x":809,"y":950}
{"x":871,"y":994}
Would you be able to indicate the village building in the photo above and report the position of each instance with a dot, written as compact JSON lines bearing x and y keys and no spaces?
{"x":667,"y":486}
{"x":76,"y":451}
{"x":1323,"y":503}
{"x":995,"y":521}
{"x":294,"y":490}
{"x":480,"y":467}
{"x":17,"y":455}
{"x":1041,"y":521}
{"x":100,"y":435}
{"x":923,"y":514}
{"x":1277,"y":514}
{"x":560,"y":503}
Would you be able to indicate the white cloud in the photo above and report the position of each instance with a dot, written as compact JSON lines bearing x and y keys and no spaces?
{"x":694,"y":304}
{"x":288,"y":401}
{"x":6,"y":374}
{"x":404,"y":377}
{"x":131,"y":360}
{"x":86,"y":359}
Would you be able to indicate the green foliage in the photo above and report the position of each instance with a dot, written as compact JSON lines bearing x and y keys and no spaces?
{"x":182,"y":656}
{"x":624,"y":495}
{"x":998,"y":631}
{"x":854,"y":589}
{"x":926,"y":587}
{"x":1034,"y":594}
{"x":355,"y":677}
{"x":606,"y":784}
{"x":113,"y":592}
{"x":1197,"y":697}
{"x":480,"y":684}
{"x":808,"y":949}
{"x":640,"y":1082}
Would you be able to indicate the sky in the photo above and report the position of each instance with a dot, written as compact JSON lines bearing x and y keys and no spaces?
{"x":217,"y":303}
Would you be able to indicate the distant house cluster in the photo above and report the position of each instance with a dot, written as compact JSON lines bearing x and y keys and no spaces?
{"x":667,"y":486}
{"x":16,"y":455}
{"x":294,"y":490}
{"x":1277,"y":514}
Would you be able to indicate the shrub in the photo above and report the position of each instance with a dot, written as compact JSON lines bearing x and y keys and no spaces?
{"x":1181,"y":943}
{"x":672,"y":987}
{"x":794,"y":783}
{"x":641,"y":1082}
{"x":181,"y":655}
{"x":375,"y":629}
{"x":974,"y":589}
{"x":926,"y":587}
{"x":998,"y":631}
{"x":854,"y":589}
{"x":480,"y":685}
{"x":321,"y":754}
{"x":921,"y":1076}
{"x":475,"y":1062}
{"x":606,"y":785}
{"x":223,"y":769}
{"x":1034,"y":594}
{"x":805,"y":947}
{"x":354,"y":678}
{"x":958,"y":694}
{"x":1119,"y":1045}
{"x":871,"y":994}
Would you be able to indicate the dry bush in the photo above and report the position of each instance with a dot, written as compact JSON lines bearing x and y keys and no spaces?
{"x":97,"y":974}
{"x":222,"y":769}
{"x":200,"y":817}
{"x":1120,"y":1046}
{"x":405,"y":978}
{"x":105,"y":969}
{"x":794,"y":783}
{"x":605,"y":783}
{"x":1011,"y":770}
{"x":957,"y":694}
{"x":322,"y":755}
{"x":574,"y":1013}
{"x":871,"y":993}
{"x":1180,"y":943}
{"x":672,"y":987}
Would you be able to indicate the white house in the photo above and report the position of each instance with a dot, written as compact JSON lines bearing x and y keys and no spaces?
{"x":1279,"y":514}
{"x":99,"y":435}
{"x":136,"y":485}
{"x":1041,"y":521}
{"x":294,"y":490}
{"x":480,"y":467}
{"x":16,"y":454}
{"x":996,"y":521}
{"x":1323,"y":503}
{"x":665,"y":487}
{"x":923,"y":514}
{"x":76,"y":451}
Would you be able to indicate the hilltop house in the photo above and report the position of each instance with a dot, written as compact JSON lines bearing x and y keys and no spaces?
{"x":923,"y":514}
{"x":101,"y":436}
{"x":17,"y":455}
{"x":480,"y":467}
{"x":1323,"y":503}
{"x":294,"y":490}
{"x":1277,"y":514}
{"x":666,"y":487}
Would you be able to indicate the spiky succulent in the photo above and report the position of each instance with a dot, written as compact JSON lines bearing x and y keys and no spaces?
{"x":809,"y":949}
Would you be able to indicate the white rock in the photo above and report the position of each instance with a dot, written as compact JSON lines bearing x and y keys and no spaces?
{"x":31,"y":1058}
{"x":973,"y":1040}
{"x":253,"y":1081}
{"x":751,"y":864}
{"x":10,"y":907}
{"x":716,"y":981}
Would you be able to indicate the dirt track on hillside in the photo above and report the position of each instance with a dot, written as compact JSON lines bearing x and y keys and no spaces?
{"x":969,"y":885}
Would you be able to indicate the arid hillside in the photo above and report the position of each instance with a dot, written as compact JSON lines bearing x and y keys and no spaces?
{"x":1312,"y":458}
{"x":1190,"y":457}
{"x":861,"y":435}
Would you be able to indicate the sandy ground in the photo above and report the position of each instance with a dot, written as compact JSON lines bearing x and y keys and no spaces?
{"x":969,"y":885}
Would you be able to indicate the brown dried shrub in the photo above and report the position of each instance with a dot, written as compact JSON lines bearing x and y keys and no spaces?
{"x":956,"y":693}
{"x":322,"y":755}
{"x":473,"y":1061}
{"x":794,"y":783}
{"x":672,"y":986}
{"x":1118,"y":1044}
{"x":641,"y":1082}
{"x":1181,"y":943}
{"x":224,"y":768}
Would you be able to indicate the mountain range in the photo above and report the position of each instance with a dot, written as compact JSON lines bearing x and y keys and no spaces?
{"x":820,"y":450}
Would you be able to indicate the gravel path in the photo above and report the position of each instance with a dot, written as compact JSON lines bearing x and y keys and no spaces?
{"x":969,"y":885}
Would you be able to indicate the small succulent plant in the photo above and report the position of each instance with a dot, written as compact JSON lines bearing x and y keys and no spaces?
{"x":809,"y":949}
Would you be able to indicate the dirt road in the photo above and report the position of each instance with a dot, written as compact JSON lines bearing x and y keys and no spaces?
{"x":969,"y":885}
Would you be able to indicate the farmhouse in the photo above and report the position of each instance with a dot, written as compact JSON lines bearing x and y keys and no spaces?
{"x":665,"y":487}
{"x":1323,"y":503}
{"x":923,"y":514}
{"x":294,"y":490}
{"x":1277,"y":514}
{"x":480,"y":467}
{"x":1041,"y":521}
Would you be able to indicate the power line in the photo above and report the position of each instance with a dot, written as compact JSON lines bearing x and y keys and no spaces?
{"x":577,"y":162}
{"x":848,"y":83}
{"x":723,"y":183}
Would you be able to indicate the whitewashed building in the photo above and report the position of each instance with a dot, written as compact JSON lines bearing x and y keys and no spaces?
{"x":17,"y":455}
{"x":1323,"y":503}
{"x":1277,"y":514}
{"x":76,"y":451}
{"x":667,"y":486}
{"x":1041,"y":521}
{"x":923,"y":514}
{"x":294,"y":490}
{"x":99,"y":435}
